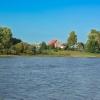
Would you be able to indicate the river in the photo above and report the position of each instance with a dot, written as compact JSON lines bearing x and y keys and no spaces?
{"x":49,"y":78}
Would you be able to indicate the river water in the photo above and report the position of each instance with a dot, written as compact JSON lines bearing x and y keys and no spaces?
{"x":49,"y":78}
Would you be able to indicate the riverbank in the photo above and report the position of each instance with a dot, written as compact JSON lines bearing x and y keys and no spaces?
{"x":62,"y":53}
{"x":71,"y":54}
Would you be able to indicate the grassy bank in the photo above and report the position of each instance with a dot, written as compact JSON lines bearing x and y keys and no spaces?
{"x":62,"y":53}
{"x":70,"y":54}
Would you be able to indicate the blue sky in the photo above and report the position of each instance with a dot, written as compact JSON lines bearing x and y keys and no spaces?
{"x":43,"y":20}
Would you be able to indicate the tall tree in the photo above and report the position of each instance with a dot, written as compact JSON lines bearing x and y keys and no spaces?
{"x":93,"y":42}
{"x":5,"y":37}
{"x":43,"y":46}
{"x":72,"y":40}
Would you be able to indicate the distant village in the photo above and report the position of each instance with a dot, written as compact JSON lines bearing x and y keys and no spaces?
{"x":10,"y":45}
{"x":53,"y":43}
{"x":57,"y":44}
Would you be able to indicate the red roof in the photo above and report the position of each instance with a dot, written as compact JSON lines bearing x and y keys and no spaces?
{"x":52,"y":42}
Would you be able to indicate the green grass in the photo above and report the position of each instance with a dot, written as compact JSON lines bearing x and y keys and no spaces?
{"x":69,"y":53}
{"x":62,"y":53}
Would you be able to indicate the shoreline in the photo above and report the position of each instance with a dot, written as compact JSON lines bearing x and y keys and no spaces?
{"x":74,"y":56}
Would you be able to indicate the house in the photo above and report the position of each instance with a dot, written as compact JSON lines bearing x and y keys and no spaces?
{"x":53,"y":43}
{"x":56,"y":44}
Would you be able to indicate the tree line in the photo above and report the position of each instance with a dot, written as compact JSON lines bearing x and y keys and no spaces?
{"x":10,"y":45}
{"x":92,"y":44}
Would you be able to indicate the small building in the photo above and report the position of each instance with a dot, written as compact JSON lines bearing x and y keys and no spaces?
{"x":53,"y":43}
{"x":56,"y":44}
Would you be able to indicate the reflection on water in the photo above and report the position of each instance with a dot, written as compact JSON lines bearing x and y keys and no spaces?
{"x":49,"y":78}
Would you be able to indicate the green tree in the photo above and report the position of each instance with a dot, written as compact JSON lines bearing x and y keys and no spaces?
{"x":93,"y":42}
{"x":72,"y":40}
{"x":43,"y":46}
{"x":15,"y":41}
{"x":5,"y":37}
{"x":19,"y":48}
{"x":27,"y":48}
{"x":24,"y":48}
